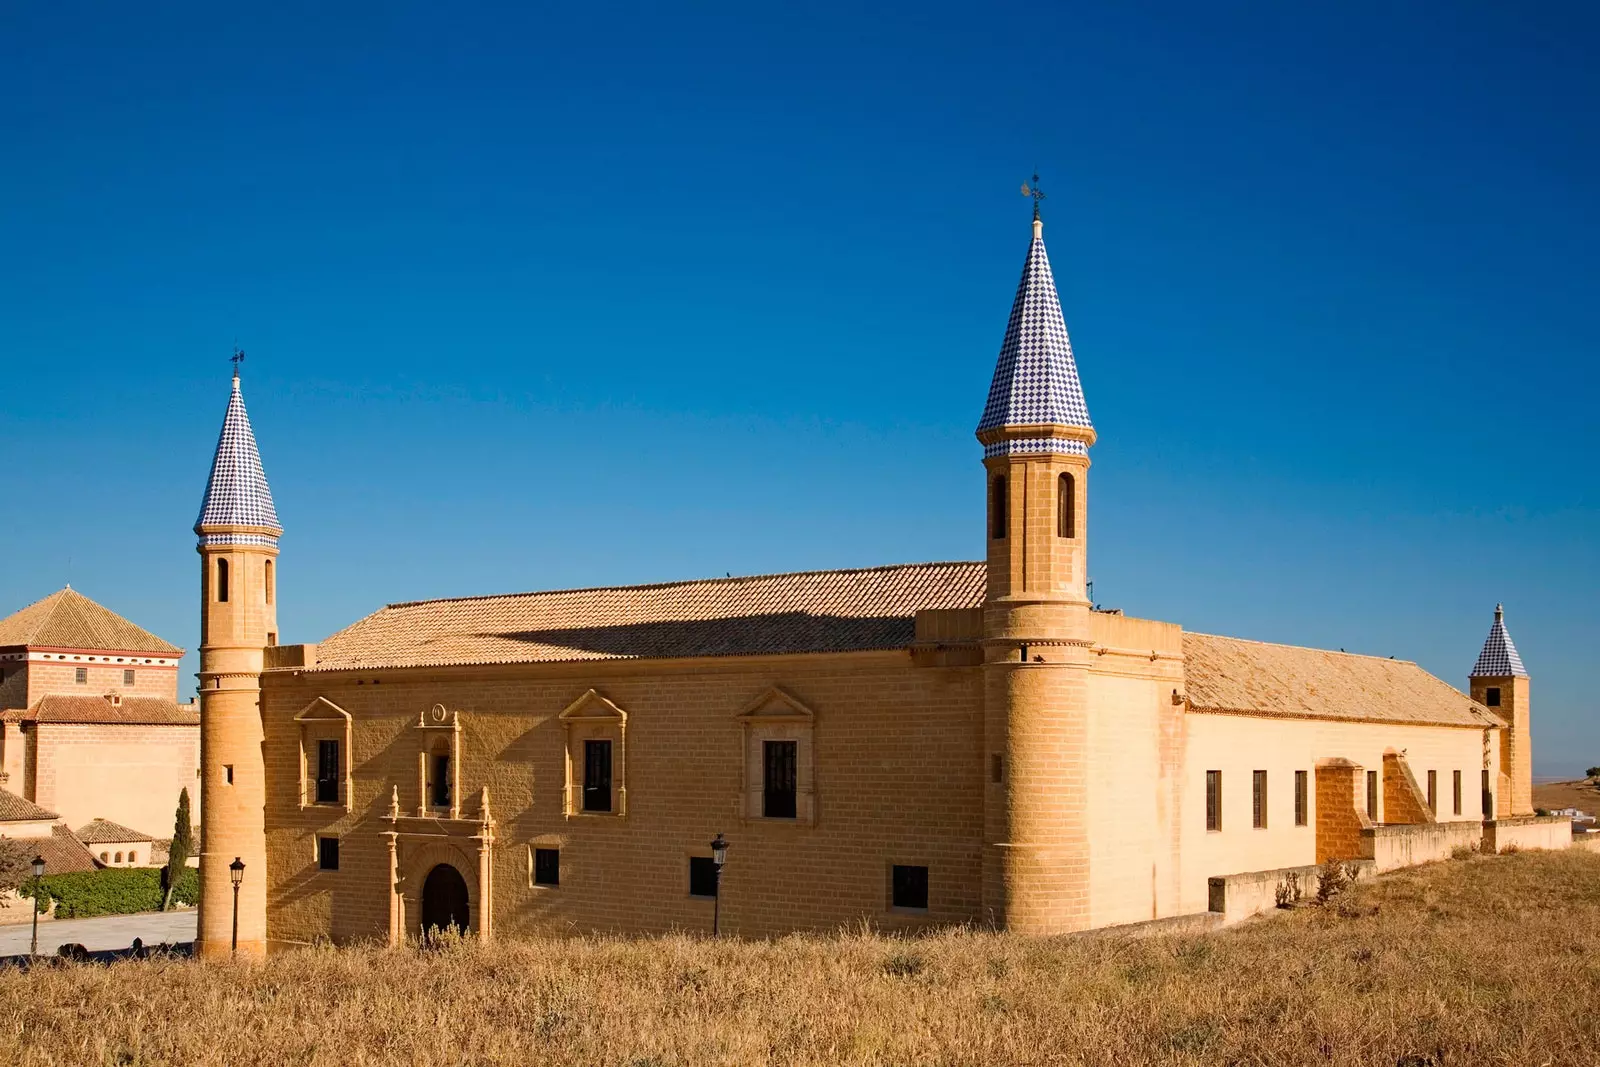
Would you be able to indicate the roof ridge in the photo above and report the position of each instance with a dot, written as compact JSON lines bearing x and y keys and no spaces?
{"x":1305,"y":648}
{"x":726,"y":580}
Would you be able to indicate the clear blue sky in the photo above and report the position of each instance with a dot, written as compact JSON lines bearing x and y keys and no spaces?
{"x":539,"y":298}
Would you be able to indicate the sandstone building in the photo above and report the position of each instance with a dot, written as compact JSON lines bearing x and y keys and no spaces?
{"x":90,"y":726}
{"x":914,"y":744}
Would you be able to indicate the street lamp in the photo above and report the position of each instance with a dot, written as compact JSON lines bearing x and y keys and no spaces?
{"x":38,"y":873}
{"x":236,"y":875}
{"x":719,"y":856}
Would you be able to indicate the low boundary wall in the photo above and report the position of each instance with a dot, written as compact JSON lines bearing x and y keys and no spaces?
{"x":1239,"y":896}
{"x":1393,"y":846}
{"x":1527,"y":831}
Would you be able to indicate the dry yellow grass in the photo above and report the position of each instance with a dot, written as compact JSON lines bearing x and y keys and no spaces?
{"x":1484,"y":960}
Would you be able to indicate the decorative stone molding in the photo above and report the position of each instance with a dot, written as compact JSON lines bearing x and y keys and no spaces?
{"x":320,"y":720}
{"x":593,"y":717}
{"x":776,"y":715}
{"x":439,"y":733}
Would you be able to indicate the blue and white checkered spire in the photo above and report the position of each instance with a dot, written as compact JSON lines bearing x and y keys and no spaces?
{"x":236,"y":492}
{"x":1036,"y":379}
{"x":1499,"y":657}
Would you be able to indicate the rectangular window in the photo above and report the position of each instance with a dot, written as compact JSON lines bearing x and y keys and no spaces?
{"x":1488,"y":798}
{"x":779,"y":759}
{"x":1455,"y":791}
{"x":1491,"y":696}
{"x":597,"y":775}
{"x":1433,"y":792}
{"x":127,"y":677}
{"x":999,"y":520}
{"x":227,"y":773}
{"x":439,"y":785}
{"x":997,"y":768}
{"x":702,"y":876}
{"x":327,"y":772}
{"x":328,"y":853}
{"x":1300,"y":798}
{"x":1372,"y":795}
{"x":1213,"y":800}
{"x":268,"y":583}
{"x":546,"y":866}
{"x":909,"y":887}
{"x":1258,"y":799}
{"x":81,"y":675}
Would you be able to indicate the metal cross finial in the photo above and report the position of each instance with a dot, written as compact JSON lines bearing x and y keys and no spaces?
{"x":236,"y":359}
{"x":1035,"y":192}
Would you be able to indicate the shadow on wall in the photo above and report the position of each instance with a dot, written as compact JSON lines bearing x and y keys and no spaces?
{"x":785,"y":632}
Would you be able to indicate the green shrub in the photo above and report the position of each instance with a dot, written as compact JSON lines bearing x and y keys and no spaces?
{"x":113,"y":891}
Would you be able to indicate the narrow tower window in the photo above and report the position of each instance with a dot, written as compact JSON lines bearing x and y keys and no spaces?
{"x":222,"y":581}
{"x":269,"y":581}
{"x":1066,"y":506}
{"x":997,"y":520}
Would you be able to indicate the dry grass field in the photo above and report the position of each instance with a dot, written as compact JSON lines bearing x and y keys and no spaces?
{"x":1487,"y":960}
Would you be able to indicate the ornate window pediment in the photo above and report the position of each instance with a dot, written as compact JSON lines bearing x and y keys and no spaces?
{"x":779,"y":782}
{"x":326,"y":739}
{"x":595,"y":733}
{"x":439,"y":762}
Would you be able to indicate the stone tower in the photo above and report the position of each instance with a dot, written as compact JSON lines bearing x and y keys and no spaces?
{"x":238,"y":530}
{"x":1499,"y":681}
{"x":1036,"y":434}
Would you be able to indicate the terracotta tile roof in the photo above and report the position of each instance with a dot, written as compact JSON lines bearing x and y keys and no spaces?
{"x":133,"y":711}
{"x":18,"y":809}
{"x":814,"y":611}
{"x":68,"y":619}
{"x":106,"y":832}
{"x":1227,"y":674}
{"x":63,"y":853}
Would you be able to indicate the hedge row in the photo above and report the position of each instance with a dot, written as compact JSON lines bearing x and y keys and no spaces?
{"x":113,"y":891}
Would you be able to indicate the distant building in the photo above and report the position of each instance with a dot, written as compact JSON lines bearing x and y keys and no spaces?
{"x":90,"y":726}
{"x":965,"y":742}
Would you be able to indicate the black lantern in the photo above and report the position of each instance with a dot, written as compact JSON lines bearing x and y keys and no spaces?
{"x":719,"y":856}
{"x":38,"y":866}
{"x":236,"y":876}
{"x":719,"y":851}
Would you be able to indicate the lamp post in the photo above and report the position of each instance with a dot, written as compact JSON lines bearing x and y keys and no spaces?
{"x":719,"y":856}
{"x":236,"y":875}
{"x":38,"y":873}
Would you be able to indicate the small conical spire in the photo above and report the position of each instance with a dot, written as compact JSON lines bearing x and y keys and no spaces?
{"x":236,"y":492}
{"x":1499,"y":657}
{"x":1035,"y":380}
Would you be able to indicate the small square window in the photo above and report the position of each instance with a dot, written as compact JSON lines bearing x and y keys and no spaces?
{"x":1491,"y":696}
{"x":328,"y":853}
{"x":127,"y":677}
{"x":546,"y":866}
{"x":702,"y":876}
{"x":80,"y":675}
{"x":909,"y":887}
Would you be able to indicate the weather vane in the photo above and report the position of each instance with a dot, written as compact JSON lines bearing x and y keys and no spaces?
{"x":236,"y":359}
{"x":1035,"y":192}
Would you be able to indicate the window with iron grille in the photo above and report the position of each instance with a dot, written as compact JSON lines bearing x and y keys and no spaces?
{"x":81,"y":675}
{"x":1372,"y":795}
{"x":1455,"y":791}
{"x":596,"y":775}
{"x":1433,"y":792}
{"x":1213,"y":800}
{"x":1258,"y":799}
{"x":702,"y":876}
{"x":546,"y":866}
{"x":327,"y":772}
{"x":909,"y":887}
{"x":1300,"y":797}
{"x":127,"y":677}
{"x":780,"y":760}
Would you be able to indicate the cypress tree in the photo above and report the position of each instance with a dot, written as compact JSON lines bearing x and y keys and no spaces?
{"x":178,"y":853}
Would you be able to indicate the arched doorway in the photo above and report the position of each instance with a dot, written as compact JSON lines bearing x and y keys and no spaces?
{"x":444,"y":901}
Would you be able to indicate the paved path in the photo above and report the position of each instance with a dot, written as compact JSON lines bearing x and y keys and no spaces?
{"x":105,"y":932}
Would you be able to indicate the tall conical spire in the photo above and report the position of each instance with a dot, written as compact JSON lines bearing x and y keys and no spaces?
{"x":1499,"y":657}
{"x":1036,"y":379}
{"x":237,"y":493}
